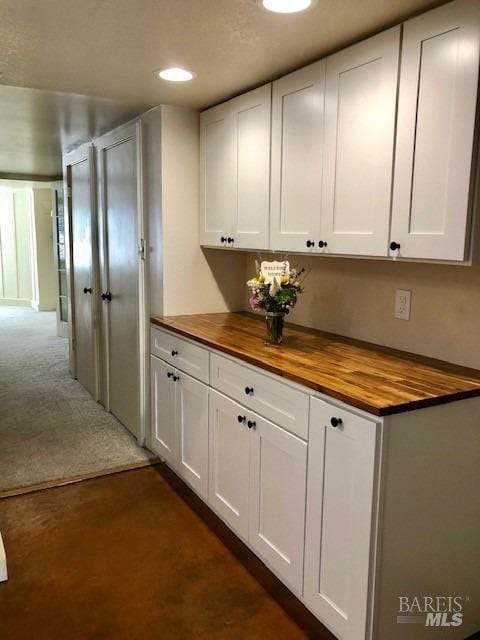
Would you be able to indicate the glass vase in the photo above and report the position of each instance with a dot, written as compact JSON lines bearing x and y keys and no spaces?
{"x":274,"y":327}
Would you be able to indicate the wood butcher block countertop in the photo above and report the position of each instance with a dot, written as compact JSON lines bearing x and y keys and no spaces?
{"x":376,"y":379}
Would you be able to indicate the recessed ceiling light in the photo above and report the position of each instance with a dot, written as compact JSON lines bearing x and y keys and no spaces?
{"x":176,"y":74}
{"x":286,"y":6}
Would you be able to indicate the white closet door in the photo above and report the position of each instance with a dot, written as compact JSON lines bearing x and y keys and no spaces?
{"x":81,"y":260}
{"x":121,"y":229}
{"x":216,"y":176}
{"x":340,"y":498}
{"x":297,"y":156}
{"x":436,"y":119}
{"x":251,"y":137}
{"x":278,"y":470}
{"x":164,"y":433}
{"x":229,"y":462}
{"x":361,"y":90}
{"x":192,"y":431}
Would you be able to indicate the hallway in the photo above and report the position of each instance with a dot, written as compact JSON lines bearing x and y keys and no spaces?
{"x":50,"y":427}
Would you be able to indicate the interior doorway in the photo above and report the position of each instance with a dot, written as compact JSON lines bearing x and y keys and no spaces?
{"x":51,"y":429}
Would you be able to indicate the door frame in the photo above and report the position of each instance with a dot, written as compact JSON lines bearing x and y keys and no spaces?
{"x":84,"y":153}
{"x":130,"y":130}
{"x":56,"y":187}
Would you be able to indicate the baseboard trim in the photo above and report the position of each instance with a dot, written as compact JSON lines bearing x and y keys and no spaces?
{"x":60,"y":482}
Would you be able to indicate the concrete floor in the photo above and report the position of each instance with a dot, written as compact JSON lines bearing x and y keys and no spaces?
{"x":130,"y":557}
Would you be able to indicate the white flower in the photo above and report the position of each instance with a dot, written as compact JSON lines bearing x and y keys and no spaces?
{"x":275,"y":286}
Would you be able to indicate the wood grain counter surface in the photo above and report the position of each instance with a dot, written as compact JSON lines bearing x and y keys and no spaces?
{"x":376,"y":379}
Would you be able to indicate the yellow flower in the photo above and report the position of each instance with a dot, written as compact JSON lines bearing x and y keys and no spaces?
{"x":261,"y":278}
{"x":284,"y":279}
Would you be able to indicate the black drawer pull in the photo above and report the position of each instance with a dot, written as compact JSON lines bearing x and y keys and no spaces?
{"x":336,"y":422}
{"x":241,"y":419}
{"x":249,"y":391}
{"x":251,"y":424}
{"x":174,"y":352}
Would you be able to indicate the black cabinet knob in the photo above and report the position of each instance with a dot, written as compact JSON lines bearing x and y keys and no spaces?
{"x":249,"y":390}
{"x":169,"y":374}
{"x":223,"y":239}
{"x":174,"y":352}
{"x":241,"y":418}
{"x":336,"y":422}
{"x":310,"y":243}
{"x":107,"y":296}
{"x":251,"y":424}
{"x":175,"y":378}
{"x":394,"y":246}
{"x":322,"y":244}
{"x":230,"y":240}
{"x":87,"y":289}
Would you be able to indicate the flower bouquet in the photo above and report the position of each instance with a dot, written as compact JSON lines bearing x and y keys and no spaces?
{"x":275,"y":291}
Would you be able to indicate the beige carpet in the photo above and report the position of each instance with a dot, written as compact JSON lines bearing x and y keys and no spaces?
{"x":50,"y":427}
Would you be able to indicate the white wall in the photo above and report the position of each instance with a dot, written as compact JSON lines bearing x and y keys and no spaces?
{"x":15,"y":250}
{"x":45,"y":284}
{"x":183,"y":278}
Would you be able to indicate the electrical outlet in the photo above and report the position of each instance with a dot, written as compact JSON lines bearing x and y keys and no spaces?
{"x":402,"y":304}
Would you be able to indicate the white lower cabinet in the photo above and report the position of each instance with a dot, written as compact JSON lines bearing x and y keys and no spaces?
{"x":229,"y":462}
{"x":163,"y":410}
{"x":340,"y":503}
{"x":180,"y":423}
{"x":278,"y":476}
{"x":258,"y":484}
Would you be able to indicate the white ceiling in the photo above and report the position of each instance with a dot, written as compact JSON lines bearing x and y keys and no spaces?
{"x":109,"y":49}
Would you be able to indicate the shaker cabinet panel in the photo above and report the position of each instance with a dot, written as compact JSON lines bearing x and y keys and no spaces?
{"x":360,"y":104}
{"x":340,"y":500}
{"x":435,"y":132}
{"x":216,"y":175}
{"x":297,"y":156}
{"x":229,"y":462}
{"x":164,"y":438}
{"x":251,"y":141}
{"x":277,"y":499}
{"x":192,"y":432}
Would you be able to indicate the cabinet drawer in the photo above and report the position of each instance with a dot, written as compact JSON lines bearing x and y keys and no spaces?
{"x":271,"y":398}
{"x":181,"y":354}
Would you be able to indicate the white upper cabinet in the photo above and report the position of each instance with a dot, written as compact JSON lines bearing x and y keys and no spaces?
{"x":251,"y":147}
{"x":216,"y":176}
{"x":235,"y":172}
{"x":297,"y":155}
{"x":360,"y":105}
{"x":435,"y":131}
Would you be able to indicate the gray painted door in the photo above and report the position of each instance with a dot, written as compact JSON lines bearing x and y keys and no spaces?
{"x":117,"y":154}
{"x":82,"y":271}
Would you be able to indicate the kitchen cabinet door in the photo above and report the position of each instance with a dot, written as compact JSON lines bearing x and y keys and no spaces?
{"x":229,"y":462}
{"x":435,"y":132}
{"x":297,"y":157}
{"x":340,"y":503}
{"x":216,"y":176}
{"x":360,"y":104}
{"x":164,"y":441}
{"x":251,"y":139}
{"x":278,"y":469}
{"x":192,"y":432}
